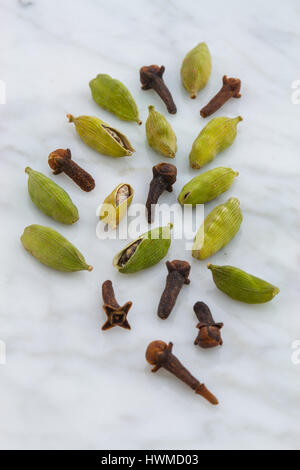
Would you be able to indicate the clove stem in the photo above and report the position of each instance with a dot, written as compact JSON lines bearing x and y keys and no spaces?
{"x":230,"y":89}
{"x":108,"y":294}
{"x":160,"y":355}
{"x":178,"y":272}
{"x":61,"y":161}
{"x":151,"y":77}
{"x":164,"y":176}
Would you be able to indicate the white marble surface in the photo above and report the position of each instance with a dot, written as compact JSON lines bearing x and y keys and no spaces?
{"x":66,"y":384}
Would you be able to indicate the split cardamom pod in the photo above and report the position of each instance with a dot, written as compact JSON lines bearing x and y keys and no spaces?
{"x":101,"y":136}
{"x":146,"y":251}
{"x":52,"y":249}
{"x":215,"y":137}
{"x":242,"y":286}
{"x":196,"y":69}
{"x":115,"y":205}
{"x":160,"y":134}
{"x":113,"y":96}
{"x":207,"y":186}
{"x":50,"y":198}
{"x":218,"y":229}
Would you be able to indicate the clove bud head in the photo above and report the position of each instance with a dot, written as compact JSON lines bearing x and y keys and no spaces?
{"x":56,"y":159}
{"x":154,"y":351}
{"x":209,"y":335}
{"x":149,"y":74}
{"x":167,"y":172}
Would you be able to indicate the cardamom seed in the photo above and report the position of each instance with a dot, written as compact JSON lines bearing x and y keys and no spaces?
{"x":218,"y":229}
{"x":196,"y":69}
{"x":160,"y":134}
{"x":215,"y":137}
{"x":50,"y":198}
{"x":242,"y":286}
{"x":113,"y":96}
{"x":115,"y":205}
{"x":146,"y":251}
{"x":101,"y":137}
{"x":207,"y":186}
{"x":52,"y":249}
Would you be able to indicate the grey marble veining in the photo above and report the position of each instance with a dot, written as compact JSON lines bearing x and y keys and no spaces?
{"x":66,"y":384}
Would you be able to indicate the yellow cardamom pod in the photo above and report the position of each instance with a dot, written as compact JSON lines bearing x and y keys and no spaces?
{"x":112,"y":95}
{"x":242,"y":286}
{"x":218,"y":229}
{"x":50,"y":198}
{"x":196,"y":69}
{"x":115,"y":205}
{"x":207,"y":186}
{"x":52,"y":249}
{"x":160,"y":134}
{"x":146,"y":251}
{"x":101,"y":136}
{"x":215,"y":137}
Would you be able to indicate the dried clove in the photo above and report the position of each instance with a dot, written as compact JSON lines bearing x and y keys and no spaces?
{"x":159,"y":354}
{"x":116,"y":315}
{"x":209,"y":335}
{"x":151,"y":77}
{"x":178,"y":273}
{"x":61,"y":161}
{"x":230,"y":89}
{"x":164,"y":176}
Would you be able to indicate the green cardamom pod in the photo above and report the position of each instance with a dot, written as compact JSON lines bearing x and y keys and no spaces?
{"x":146,"y":251}
{"x":207,"y":186}
{"x":113,"y":96}
{"x":52,"y":249}
{"x":160,"y":134}
{"x":115,"y":205}
{"x":50,"y":198}
{"x":101,"y":137}
{"x":242,"y":286}
{"x":218,"y":229}
{"x":196,"y":69}
{"x":215,"y":137}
